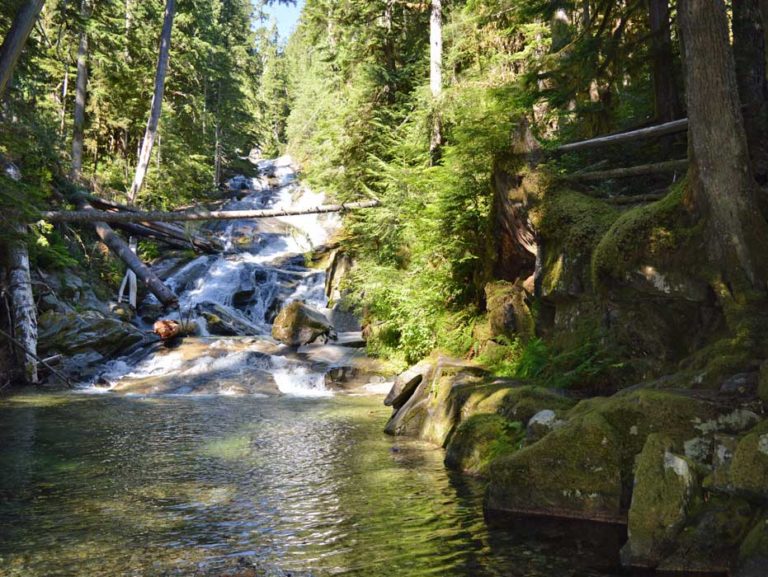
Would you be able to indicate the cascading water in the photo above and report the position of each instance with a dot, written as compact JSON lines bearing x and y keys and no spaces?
{"x":239,"y":293}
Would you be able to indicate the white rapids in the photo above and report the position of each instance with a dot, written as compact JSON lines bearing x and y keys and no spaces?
{"x":262,"y":269}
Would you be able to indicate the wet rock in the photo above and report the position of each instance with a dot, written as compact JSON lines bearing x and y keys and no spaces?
{"x":753,"y":554}
{"x":431,"y":413}
{"x":741,"y":385}
{"x":350,"y":339}
{"x":407,"y":382}
{"x":224,"y":321}
{"x":664,"y":488}
{"x":542,"y":423}
{"x":124,"y":312}
{"x":150,"y":311}
{"x":480,"y":439}
{"x":74,"y":333}
{"x":343,"y":378}
{"x":299,"y":324}
{"x":508,"y":311}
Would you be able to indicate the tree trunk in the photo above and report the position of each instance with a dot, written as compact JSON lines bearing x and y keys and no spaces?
{"x":666,"y":97}
{"x":723,"y":189}
{"x":23,"y":310}
{"x":157,"y":101}
{"x":78,"y":126}
{"x":436,"y":76}
{"x":121,"y":249}
{"x":16,"y":38}
{"x":749,"y":55}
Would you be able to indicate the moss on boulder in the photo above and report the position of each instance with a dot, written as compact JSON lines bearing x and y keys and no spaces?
{"x":480,"y":439}
{"x":561,"y":477}
{"x":748,"y":472}
{"x":665,"y":484}
{"x":508,"y":311}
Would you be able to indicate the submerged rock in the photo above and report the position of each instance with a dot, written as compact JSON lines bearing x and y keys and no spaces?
{"x":664,"y":487}
{"x":299,"y":324}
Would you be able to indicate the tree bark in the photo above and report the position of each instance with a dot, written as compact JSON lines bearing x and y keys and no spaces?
{"x":78,"y":126}
{"x":157,"y":101}
{"x":16,"y":38}
{"x":88,"y":214}
{"x":723,"y":189}
{"x":666,"y":97}
{"x":121,"y":249}
{"x":436,"y":76}
{"x":749,"y":56}
{"x":23,"y":310}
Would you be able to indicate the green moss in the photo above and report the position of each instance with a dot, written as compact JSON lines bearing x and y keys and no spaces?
{"x":753,"y":555}
{"x":646,"y":232}
{"x":480,"y":439}
{"x":664,"y":488}
{"x":573,"y":221}
{"x":560,"y":477}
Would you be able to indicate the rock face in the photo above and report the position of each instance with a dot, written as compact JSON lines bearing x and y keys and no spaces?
{"x":664,"y":488}
{"x":406,"y":383}
{"x":299,"y":324}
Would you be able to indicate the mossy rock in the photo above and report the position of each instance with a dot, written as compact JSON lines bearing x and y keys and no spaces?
{"x":573,"y":472}
{"x":665,"y":484}
{"x":753,"y":554}
{"x":585,"y":468}
{"x":508,"y":311}
{"x":762,"y":385}
{"x":749,"y":469}
{"x":711,"y":537}
{"x":480,"y":439}
{"x":75,"y":333}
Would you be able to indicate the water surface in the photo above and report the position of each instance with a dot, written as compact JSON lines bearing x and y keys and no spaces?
{"x":103,"y":485}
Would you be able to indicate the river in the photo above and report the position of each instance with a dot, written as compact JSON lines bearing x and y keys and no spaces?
{"x":180,"y":461}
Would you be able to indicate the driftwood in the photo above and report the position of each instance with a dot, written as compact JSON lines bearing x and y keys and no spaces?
{"x":631,"y":136}
{"x":23,"y":309}
{"x":170,"y":234}
{"x":121,"y":249}
{"x":641,"y":170}
{"x":166,"y":329}
{"x":93,"y":215}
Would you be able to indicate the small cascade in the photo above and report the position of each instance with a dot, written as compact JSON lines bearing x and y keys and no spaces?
{"x":238,"y":293}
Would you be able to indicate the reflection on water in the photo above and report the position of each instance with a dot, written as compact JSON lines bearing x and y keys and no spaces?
{"x":106,"y":486}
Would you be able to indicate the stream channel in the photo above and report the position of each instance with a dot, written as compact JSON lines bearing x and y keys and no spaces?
{"x":180,"y":461}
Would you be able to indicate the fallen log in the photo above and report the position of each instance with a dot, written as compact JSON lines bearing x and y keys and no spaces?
{"x":641,"y":170}
{"x":121,"y":249}
{"x":631,"y":136}
{"x":172,"y":235}
{"x":637,"y":199}
{"x":82,"y":216}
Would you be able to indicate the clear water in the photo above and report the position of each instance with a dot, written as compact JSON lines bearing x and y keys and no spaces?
{"x":108,"y":486}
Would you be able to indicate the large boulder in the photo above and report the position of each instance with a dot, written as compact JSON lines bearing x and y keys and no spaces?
{"x":299,"y":324}
{"x":575,"y":471}
{"x":748,"y":472}
{"x":664,"y":488}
